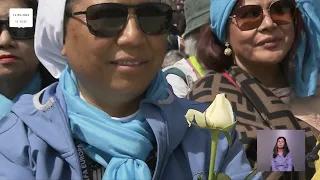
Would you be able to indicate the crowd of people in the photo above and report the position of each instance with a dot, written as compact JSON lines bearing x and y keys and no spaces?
{"x":99,"y":90}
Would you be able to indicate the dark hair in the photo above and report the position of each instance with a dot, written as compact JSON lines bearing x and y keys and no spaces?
{"x":32,"y":4}
{"x":210,"y":51}
{"x":285,"y":148}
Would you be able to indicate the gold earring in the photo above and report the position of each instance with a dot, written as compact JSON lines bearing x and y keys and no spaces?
{"x":228,"y":50}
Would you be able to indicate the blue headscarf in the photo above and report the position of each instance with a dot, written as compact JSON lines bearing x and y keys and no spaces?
{"x":306,"y":67}
{"x":220,"y":11}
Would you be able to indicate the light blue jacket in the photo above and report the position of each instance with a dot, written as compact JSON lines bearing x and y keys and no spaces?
{"x":36,"y":141}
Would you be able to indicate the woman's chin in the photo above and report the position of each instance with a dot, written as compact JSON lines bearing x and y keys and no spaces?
{"x":9,"y":72}
{"x":270,"y":58}
{"x":125,"y":86}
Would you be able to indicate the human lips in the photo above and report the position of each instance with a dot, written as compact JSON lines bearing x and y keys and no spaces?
{"x":7,"y":58}
{"x":128,"y":63}
{"x":269,"y":42}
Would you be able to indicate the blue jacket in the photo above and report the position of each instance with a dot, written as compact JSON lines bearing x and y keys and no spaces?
{"x":36,"y":141}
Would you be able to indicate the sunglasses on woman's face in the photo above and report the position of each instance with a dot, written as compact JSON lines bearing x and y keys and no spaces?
{"x":109,"y":19}
{"x":249,"y":17}
{"x":18,"y":33}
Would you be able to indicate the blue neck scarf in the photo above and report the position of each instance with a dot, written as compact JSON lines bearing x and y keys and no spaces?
{"x":33,"y":87}
{"x":306,"y":67}
{"x":121,"y":147}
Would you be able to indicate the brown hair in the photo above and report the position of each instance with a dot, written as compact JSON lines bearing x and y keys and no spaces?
{"x":285,"y":148}
{"x":210,"y":51}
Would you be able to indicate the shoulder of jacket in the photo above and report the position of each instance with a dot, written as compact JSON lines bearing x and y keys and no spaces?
{"x":28,"y":105}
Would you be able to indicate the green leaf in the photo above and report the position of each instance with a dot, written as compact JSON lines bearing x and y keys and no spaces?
{"x":222,"y":176}
{"x":251,"y":175}
{"x":228,"y":136}
{"x":200,"y":177}
{"x":229,"y":127}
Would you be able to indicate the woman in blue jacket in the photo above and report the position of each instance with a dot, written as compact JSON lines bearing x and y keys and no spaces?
{"x":112,"y":115}
{"x":20,"y":70}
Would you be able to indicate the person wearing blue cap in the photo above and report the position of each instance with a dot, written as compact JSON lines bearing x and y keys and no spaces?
{"x":258,"y":50}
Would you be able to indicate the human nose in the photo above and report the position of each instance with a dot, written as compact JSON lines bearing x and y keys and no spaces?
{"x":6,"y":40}
{"x":267,"y":23}
{"x":131,"y":35}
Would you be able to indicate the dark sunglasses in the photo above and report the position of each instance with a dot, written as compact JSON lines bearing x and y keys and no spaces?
{"x":109,"y":19}
{"x":18,"y":33}
{"x":249,"y":17}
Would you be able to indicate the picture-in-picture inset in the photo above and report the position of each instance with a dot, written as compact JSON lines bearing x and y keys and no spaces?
{"x":281,"y":150}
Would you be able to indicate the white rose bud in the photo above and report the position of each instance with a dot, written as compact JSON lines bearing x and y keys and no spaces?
{"x":219,"y":115}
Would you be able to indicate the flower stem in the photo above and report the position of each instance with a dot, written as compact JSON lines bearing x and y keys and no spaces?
{"x":214,"y":143}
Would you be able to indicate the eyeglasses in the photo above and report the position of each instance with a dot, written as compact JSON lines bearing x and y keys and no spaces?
{"x":18,"y":33}
{"x":109,"y":19}
{"x":249,"y":17}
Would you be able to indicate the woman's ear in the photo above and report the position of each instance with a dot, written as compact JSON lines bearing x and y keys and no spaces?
{"x":64,"y":50}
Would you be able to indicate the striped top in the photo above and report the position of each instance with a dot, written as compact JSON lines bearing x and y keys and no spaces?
{"x":285,"y":94}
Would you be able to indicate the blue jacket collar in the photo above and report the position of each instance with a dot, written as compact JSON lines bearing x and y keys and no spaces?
{"x":156,"y":112}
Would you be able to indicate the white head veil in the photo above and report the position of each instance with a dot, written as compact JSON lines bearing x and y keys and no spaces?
{"x":49,"y":35}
